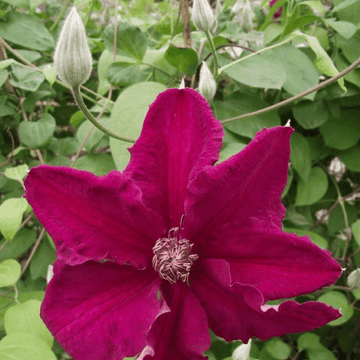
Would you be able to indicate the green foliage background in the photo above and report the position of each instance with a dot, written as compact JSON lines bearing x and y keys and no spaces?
{"x":39,"y":122}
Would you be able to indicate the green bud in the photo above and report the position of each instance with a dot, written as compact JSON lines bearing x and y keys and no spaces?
{"x":202,"y":15}
{"x":242,"y":352}
{"x":207,"y":83}
{"x":353,"y":279}
{"x":72,"y":58}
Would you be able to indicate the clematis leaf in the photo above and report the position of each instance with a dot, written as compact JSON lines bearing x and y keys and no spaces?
{"x":25,"y":346}
{"x":127,"y":117}
{"x":313,"y":189}
{"x":25,"y":318}
{"x":9,"y":272}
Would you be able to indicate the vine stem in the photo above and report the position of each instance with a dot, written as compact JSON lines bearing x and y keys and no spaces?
{"x":298,"y":96}
{"x":80,"y":102}
{"x":213,"y":50}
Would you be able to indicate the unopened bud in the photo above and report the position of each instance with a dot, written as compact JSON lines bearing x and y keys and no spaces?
{"x":242,"y":352}
{"x":353,"y":279}
{"x":72,"y":58}
{"x":202,"y":16}
{"x":207,"y":83}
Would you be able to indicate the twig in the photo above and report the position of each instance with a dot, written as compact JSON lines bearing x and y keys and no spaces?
{"x":185,"y":15}
{"x":26,"y":221}
{"x":298,"y":96}
{"x":33,"y":250}
{"x":12,"y":148}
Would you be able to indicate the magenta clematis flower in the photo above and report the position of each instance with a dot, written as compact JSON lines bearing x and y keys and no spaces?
{"x":151,"y":258}
{"x":278,"y":12}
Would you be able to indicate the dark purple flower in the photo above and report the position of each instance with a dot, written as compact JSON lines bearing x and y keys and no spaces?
{"x":150,"y":258}
{"x":278,"y":11}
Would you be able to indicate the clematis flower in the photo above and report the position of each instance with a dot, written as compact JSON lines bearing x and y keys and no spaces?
{"x":150,"y":258}
{"x":278,"y":12}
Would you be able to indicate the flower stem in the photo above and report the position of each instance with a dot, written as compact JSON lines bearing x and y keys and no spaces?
{"x":213,"y":50}
{"x":80,"y":102}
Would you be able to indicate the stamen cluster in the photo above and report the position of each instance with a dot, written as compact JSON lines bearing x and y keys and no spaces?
{"x":172,"y":257}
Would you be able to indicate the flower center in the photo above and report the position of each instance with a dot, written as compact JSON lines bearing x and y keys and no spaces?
{"x":172,"y":258}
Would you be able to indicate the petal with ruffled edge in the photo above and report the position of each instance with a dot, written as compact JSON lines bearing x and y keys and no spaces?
{"x":238,"y":312}
{"x":248,"y":185}
{"x":91,"y":217}
{"x":278,"y":264}
{"x":101,"y":311}
{"x":180,"y":333}
{"x":179,"y":137}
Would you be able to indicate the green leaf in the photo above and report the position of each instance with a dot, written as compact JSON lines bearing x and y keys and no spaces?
{"x":17,"y":173}
{"x":323,"y":61}
{"x":342,"y":133}
{"x":11,"y":213}
{"x":312,"y":190}
{"x":26,"y":79}
{"x":315,"y":238}
{"x":95,"y":136}
{"x":278,"y":348}
{"x":345,"y":28}
{"x":300,"y":155}
{"x":230,"y":150}
{"x":338,"y":301}
{"x":3,"y":76}
{"x":131,"y":41}
{"x":128,"y":115}
{"x":308,"y":341}
{"x":27,"y":31}
{"x":37,"y":135}
{"x":299,"y":22}
{"x":22,"y":241}
{"x":311,"y":115}
{"x":355,"y":227}
{"x":6,"y":110}
{"x":25,"y":4}
{"x":315,"y":5}
{"x":98,"y":164}
{"x":261,"y":71}
{"x":351,"y":157}
{"x":344,"y":5}
{"x":64,"y":146}
{"x":10,"y":271}
{"x":25,"y":318}
{"x":25,"y":346}
{"x":321,"y":354}
{"x":351,"y":47}
{"x":49,"y":73}
{"x":44,"y":256}
{"x":301,"y":74}
{"x":125,"y":74}
{"x":183,"y":59}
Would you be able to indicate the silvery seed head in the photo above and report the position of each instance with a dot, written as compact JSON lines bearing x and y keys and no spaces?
{"x":72,"y":58}
{"x":207,"y":83}
{"x":202,"y":15}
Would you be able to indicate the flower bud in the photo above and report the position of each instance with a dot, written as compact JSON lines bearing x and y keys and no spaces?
{"x":207,"y":83}
{"x":242,"y":352}
{"x":353,"y":279}
{"x":72,"y":58}
{"x":202,"y":15}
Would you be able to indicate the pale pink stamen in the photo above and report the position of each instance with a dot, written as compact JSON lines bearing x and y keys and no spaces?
{"x":172,"y":257}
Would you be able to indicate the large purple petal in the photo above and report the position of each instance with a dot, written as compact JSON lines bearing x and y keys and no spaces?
{"x":181,"y":332}
{"x":91,"y":217}
{"x":180,"y":136}
{"x":248,"y":185}
{"x":278,"y":264}
{"x":101,"y":311}
{"x":237,"y":311}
